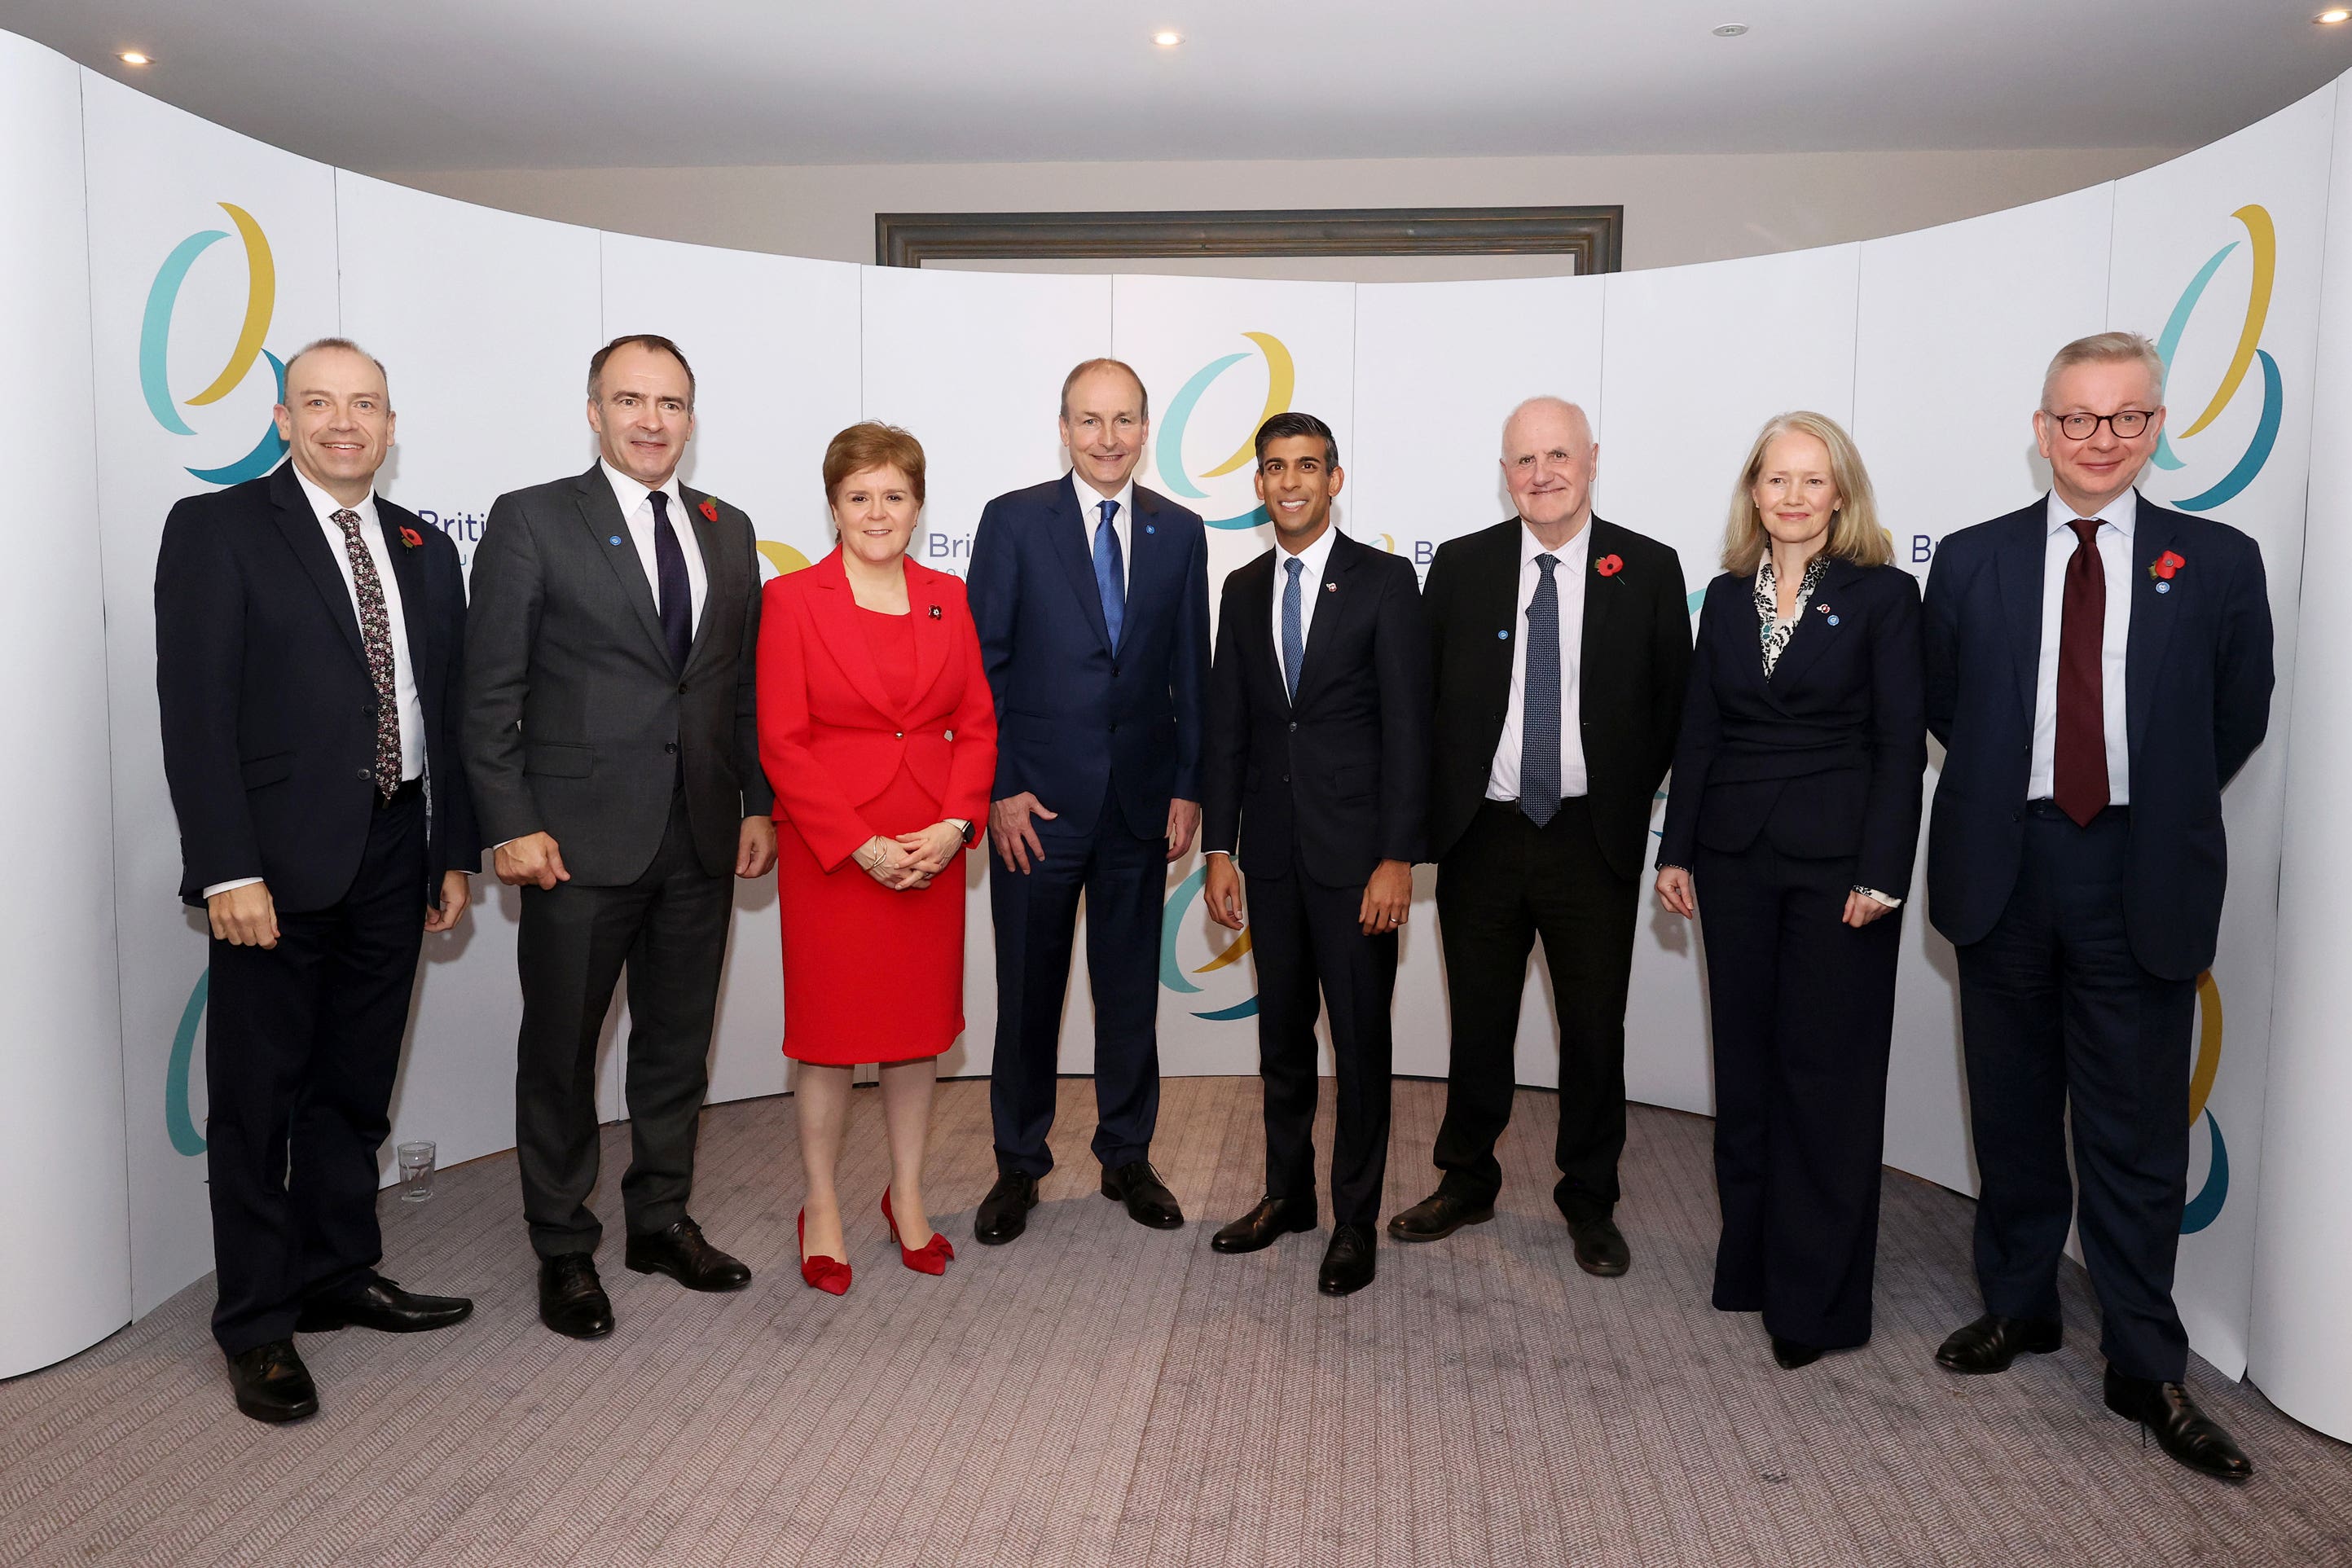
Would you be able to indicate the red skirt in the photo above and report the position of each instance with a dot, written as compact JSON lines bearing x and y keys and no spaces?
{"x":870,"y":975}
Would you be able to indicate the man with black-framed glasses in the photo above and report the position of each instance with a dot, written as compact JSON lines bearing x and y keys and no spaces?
{"x":2098,"y":667}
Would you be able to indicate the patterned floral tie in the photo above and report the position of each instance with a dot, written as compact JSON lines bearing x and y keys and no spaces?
{"x":376,"y":636}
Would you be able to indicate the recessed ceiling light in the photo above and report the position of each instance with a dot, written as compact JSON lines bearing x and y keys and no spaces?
{"x":134,"y":58}
{"x":2330,"y":18}
{"x":1731,"y":29}
{"x":1167,"y":40}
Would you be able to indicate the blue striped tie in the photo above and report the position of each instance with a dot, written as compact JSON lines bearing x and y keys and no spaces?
{"x":1109,"y":581}
{"x":1294,"y":640}
{"x":1539,"y":721}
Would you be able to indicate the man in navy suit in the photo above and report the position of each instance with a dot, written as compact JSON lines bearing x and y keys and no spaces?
{"x":309,"y":640}
{"x":1091,"y":594}
{"x":2098,"y":668}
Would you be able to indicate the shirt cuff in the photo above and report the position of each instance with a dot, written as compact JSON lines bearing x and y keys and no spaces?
{"x":1889,"y":899}
{"x":1227,"y":853}
{"x":221,"y":887}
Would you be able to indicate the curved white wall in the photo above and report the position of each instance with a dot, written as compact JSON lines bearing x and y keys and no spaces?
{"x":1930,"y":345}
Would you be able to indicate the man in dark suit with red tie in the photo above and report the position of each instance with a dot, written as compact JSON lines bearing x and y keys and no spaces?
{"x":1316,"y":779}
{"x":309,"y":644}
{"x":1561,"y":645}
{"x":2098,"y":668}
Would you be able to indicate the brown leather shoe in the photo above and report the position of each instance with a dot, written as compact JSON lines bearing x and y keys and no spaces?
{"x":271,"y":1383}
{"x":682,"y":1254}
{"x":2182,"y":1430}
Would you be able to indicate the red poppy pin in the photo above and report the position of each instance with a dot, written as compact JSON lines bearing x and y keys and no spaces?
{"x":709,"y":508}
{"x":1609,"y":565}
{"x":411,"y":538}
{"x":2163,"y":568}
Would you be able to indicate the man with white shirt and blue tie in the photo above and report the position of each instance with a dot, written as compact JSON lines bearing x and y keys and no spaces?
{"x":1315,"y":780}
{"x":1091,"y":596}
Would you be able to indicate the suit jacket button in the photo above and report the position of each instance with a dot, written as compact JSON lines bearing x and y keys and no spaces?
{"x":670,"y":747}
{"x":1294,"y":724}
{"x":364,"y":773}
{"x":898,"y":734}
{"x":950,"y":735}
{"x":681,"y":688}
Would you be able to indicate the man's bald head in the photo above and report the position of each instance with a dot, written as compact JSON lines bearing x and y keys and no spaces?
{"x":1547,"y":412}
{"x":1548,"y":456}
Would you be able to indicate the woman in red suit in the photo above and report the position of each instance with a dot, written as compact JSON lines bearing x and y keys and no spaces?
{"x":877,"y":730}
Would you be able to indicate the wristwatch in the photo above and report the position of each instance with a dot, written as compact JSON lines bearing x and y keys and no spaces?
{"x":967,"y":826}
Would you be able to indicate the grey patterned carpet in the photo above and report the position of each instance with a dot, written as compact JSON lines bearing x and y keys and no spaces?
{"x":1099,"y":1394}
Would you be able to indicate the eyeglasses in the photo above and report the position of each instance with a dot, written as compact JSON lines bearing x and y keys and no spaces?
{"x":2127,"y":425}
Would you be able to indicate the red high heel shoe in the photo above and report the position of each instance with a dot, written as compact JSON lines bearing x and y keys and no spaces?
{"x":930,"y":1258}
{"x":827,"y":1274}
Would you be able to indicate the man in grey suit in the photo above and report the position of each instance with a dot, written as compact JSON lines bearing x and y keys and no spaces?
{"x":610,"y":739}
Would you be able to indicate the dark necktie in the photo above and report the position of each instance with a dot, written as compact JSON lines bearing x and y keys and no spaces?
{"x":1110,"y":581}
{"x":1294,"y":639}
{"x":1540,"y":718}
{"x":375,"y":638}
{"x":2079,"y":760}
{"x":675,"y":595}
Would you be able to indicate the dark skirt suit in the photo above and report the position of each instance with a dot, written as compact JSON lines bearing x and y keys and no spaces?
{"x":870,"y":724}
{"x":1786,"y":795}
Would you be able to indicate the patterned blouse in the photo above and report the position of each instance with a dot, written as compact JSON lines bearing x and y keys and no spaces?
{"x":1773,"y":631}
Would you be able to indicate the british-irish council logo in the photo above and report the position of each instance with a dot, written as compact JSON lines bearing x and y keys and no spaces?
{"x":2262,"y":238}
{"x":155,"y":343}
{"x":1281,"y":381}
{"x":1174,"y":926}
{"x":2204,"y":1205}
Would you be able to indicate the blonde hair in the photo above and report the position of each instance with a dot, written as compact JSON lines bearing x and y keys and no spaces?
{"x":2106,"y":349}
{"x":1854,"y":533}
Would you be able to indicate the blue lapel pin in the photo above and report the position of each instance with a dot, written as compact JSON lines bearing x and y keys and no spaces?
{"x":2164,"y":588}
{"x":1149,"y":530}
{"x":1502,"y":636}
{"x":1833,"y":619}
{"x":614,"y":540}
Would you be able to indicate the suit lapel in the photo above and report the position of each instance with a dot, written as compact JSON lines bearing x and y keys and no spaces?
{"x":2153,"y":531}
{"x":1494,"y":620}
{"x":600,"y":513}
{"x":1336,"y":600}
{"x":836,"y":608}
{"x":299,"y":524}
{"x":1603,"y":610}
{"x":2018,"y":564}
{"x":932,"y":640}
{"x":1812,"y":631}
{"x":408,"y":570}
{"x":718,"y":568}
{"x":1068,"y":533}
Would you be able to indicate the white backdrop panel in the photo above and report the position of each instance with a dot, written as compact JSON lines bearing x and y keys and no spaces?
{"x":1220,"y":355}
{"x":774,"y":344}
{"x":1694,"y":361}
{"x":973,"y":362}
{"x":2225,"y":202}
{"x":61,"y":1129}
{"x":1437,"y":371}
{"x":1955,"y":327}
{"x":2302,"y":1285}
{"x":484,"y":321}
{"x":158,"y":182}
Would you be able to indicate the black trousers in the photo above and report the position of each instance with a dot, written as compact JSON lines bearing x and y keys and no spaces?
{"x":2056,"y":1016}
{"x":1506,"y":882}
{"x":301,"y":1045}
{"x":669,"y":927}
{"x":1802,"y":1007}
{"x":1036,"y":913}
{"x":1311,"y":951}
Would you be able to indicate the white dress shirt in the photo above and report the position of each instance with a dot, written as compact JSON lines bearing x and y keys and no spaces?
{"x":404,"y":668}
{"x":1122,"y":524}
{"x":1311,"y":560}
{"x":1568,"y":581}
{"x":637,"y":512}
{"x":2115,"y":544}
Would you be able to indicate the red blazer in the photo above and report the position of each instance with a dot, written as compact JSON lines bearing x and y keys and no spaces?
{"x":831,"y":740}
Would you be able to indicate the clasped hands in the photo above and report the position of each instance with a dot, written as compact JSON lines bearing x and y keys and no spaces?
{"x":909,"y":860}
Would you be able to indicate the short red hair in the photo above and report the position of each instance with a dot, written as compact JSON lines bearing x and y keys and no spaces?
{"x":873,"y":444}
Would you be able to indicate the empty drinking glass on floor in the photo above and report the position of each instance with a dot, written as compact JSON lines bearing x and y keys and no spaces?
{"x":415,"y":1172}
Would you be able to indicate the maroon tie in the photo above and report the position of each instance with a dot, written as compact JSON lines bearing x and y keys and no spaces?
{"x":2079,"y":763}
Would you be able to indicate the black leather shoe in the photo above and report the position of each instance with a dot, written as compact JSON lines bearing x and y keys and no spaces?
{"x":271,"y":1382}
{"x":1792,"y":1355}
{"x":571,"y":1299}
{"x":682,"y":1254}
{"x":1992,"y":1342}
{"x":384,"y":1307}
{"x":1347,"y":1262}
{"x":1439,"y":1215}
{"x":2182,"y":1430}
{"x":1273,"y":1218}
{"x":1005,"y":1212}
{"x":1600,"y":1247}
{"x":1148,"y":1199}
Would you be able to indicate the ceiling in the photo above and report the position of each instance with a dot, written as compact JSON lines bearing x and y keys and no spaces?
{"x":414,"y":85}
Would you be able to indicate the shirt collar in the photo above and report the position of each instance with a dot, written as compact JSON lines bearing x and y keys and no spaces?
{"x":632,"y":495}
{"x":326,"y":506}
{"x":1571,"y":554}
{"x":2119,"y":514}
{"x":1312,"y":559}
{"x":1090,"y":501}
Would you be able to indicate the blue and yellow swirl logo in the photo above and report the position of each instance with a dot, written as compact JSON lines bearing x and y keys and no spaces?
{"x":2204,"y":1205}
{"x":2262,"y":237}
{"x":1167,"y":453}
{"x":155,"y":343}
{"x":1173,"y":973}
